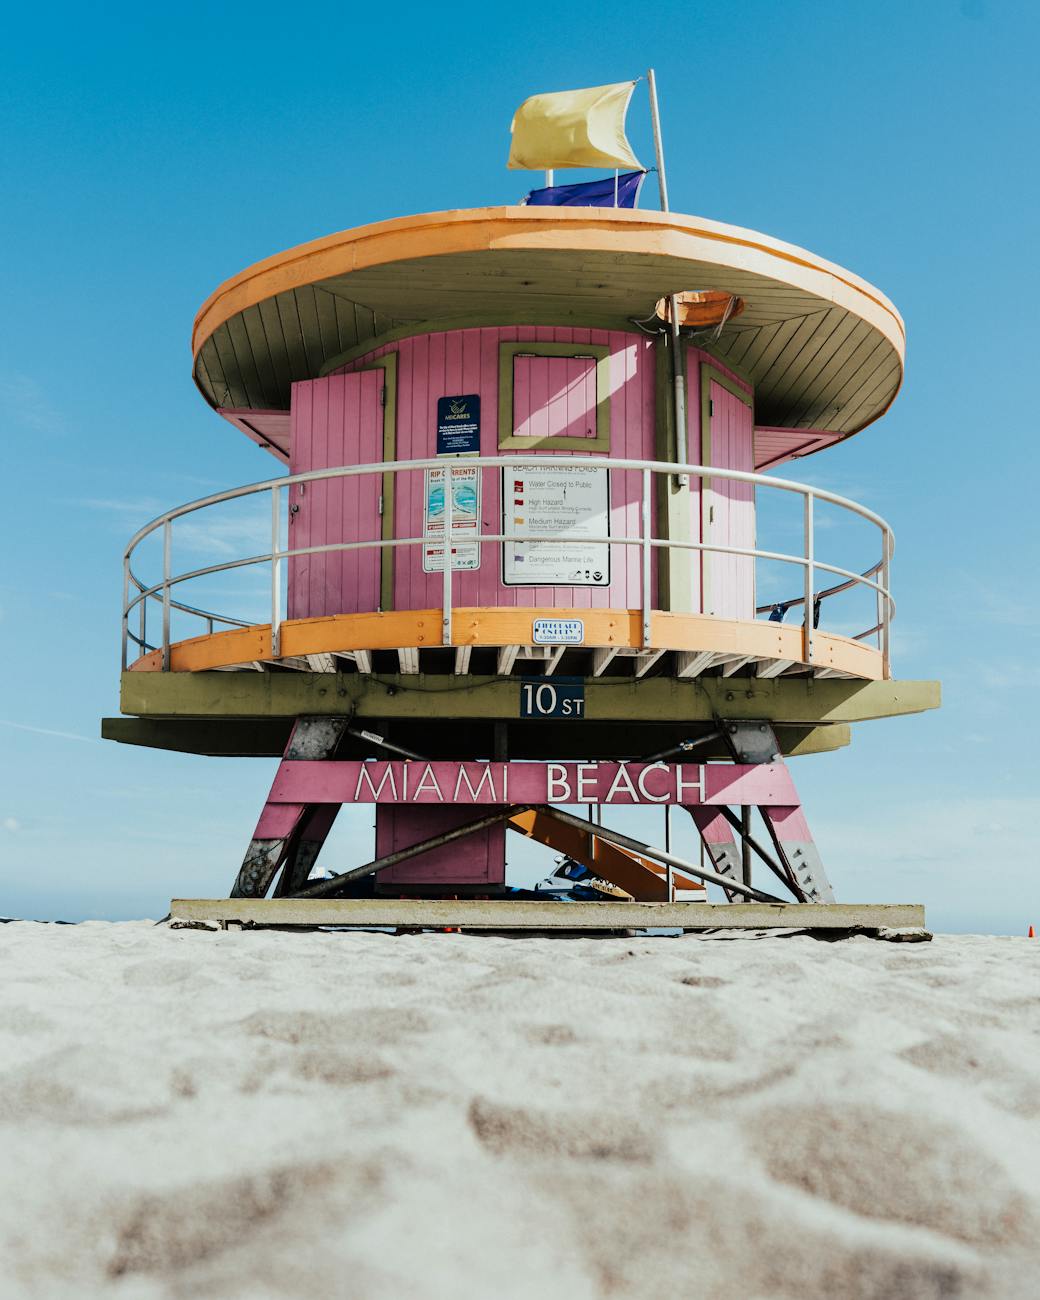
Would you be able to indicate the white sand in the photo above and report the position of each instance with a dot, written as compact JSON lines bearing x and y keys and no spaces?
{"x":269,"y":1115}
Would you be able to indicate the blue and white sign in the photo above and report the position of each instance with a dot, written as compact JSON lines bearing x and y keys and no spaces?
{"x":464,"y":484}
{"x":560,"y":697}
{"x":458,"y":425}
{"x":558,"y":631}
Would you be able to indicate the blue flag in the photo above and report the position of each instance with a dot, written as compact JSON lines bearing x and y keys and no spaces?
{"x":592,"y":194}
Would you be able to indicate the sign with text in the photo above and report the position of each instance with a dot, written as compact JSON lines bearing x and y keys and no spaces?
{"x":458,"y":425}
{"x":571,"y":502}
{"x":396,"y":781}
{"x":465,"y":518}
{"x":562,"y":697}
{"x":557,"y":631}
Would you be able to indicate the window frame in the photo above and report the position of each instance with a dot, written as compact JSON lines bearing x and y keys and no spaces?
{"x":509,"y":440}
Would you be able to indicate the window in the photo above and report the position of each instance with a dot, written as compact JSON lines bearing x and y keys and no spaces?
{"x":554,"y":395}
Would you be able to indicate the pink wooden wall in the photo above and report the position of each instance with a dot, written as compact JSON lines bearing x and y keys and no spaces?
{"x":730,"y":509}
{"x":337,"y":420}
{"x":478,"y":859}
{"x":466,"y":361}
{"x":724,"y":584}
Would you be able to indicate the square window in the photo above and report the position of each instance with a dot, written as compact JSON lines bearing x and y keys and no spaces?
{"x":554,"y":396}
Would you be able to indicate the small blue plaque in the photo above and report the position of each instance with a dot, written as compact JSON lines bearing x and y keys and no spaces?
{"x":458,"y":425}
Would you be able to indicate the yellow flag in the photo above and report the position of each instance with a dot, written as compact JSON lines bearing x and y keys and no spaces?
{"x":573,"y":128}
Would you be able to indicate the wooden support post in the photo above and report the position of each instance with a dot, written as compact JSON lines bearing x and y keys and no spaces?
{"x":718,"y":840}
{"x":306,"y":844}
{"x":311,"y":738}
{"x":745,"y":847}
{"x":796,"y":848}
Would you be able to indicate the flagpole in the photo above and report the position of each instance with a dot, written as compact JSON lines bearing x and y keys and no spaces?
{"x":678,"y":378}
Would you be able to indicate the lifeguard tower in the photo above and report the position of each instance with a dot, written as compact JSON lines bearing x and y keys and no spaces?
{"x":526,"y":548}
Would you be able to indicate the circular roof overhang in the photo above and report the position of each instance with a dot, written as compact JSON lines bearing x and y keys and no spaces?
{"x":822,"y":348}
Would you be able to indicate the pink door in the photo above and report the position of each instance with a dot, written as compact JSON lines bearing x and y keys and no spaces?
{"x":335,"y":421}
{"x":729,"y":509}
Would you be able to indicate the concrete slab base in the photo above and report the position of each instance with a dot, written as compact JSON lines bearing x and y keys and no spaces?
{"x":499,"y":914}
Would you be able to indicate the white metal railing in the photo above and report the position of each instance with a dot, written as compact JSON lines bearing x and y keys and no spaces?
{"x":877,"y":578}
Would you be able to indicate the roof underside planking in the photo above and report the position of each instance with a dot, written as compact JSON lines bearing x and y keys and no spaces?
{"x":823,"y":349}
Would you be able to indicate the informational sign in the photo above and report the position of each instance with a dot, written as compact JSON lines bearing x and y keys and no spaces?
{"x":458,"y":425}
{"x":561,"y":697}
{"x":465,"y":518}
{"x":394,"y":781}
{"x":570,"y":502}
{"x":557,"y":631}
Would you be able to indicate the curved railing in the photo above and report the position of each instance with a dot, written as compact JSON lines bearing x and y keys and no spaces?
{"x":810,"y":596}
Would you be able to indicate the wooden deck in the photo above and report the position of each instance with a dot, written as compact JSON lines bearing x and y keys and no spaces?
{"x":682,"y":646}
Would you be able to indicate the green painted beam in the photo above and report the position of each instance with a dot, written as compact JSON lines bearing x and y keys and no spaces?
{"x":270,"y":695}
{"x":562,"y":741}
{"x":217,"y":737}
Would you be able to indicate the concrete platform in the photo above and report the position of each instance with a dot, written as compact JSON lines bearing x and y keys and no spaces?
{"x":498,"y":914}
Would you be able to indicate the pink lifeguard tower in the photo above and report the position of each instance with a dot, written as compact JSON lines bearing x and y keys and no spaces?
{"x":524,"y":546}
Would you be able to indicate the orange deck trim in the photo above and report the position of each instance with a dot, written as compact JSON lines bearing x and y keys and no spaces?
{"x":421,"y":629}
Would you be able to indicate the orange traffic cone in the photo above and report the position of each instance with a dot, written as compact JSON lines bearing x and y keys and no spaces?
{"x":1032,"y":933}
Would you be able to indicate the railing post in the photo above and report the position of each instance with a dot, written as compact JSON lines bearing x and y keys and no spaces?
{"x":885,"y":604}
{"x":167,"y":549}
{"x":143,"y":622}
{"x":125,"y":630}
{"x":645,"y":586}
{"x":276,"y":575}
{"x":446,"y":590}
{"x":807,"y":636}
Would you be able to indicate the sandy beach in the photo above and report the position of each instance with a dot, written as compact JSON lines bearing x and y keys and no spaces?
{"x":276,"y":1115}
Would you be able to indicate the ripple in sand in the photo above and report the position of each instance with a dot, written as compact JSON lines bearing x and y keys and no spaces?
{"x":160,"y":1232}
{"x":340,"y":1069}
{"x":549,"y":1035}
{"x":373,"y":1026}
{"x":577,"y":1135}
{"x":888,"y":1165}
{"x":973,"y":1059}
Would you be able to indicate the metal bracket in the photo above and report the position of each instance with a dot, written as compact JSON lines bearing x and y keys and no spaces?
{"x":751,"y":742}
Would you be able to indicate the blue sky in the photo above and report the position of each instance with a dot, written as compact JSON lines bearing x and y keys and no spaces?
{"x":148,"y":154}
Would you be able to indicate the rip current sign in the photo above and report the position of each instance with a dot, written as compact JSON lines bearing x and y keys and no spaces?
{"x":558,"y":697}
{"x":458,"y":425}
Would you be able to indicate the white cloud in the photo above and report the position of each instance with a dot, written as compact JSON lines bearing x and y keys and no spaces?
{"x":141,"y":509}
{"x":224,"y":538}
{"x":45,"y":731}
{"x":11,"y":824}
{"x":24,"y":403}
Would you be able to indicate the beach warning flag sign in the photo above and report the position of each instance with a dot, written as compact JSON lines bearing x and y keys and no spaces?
{"x":573,"y":128}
